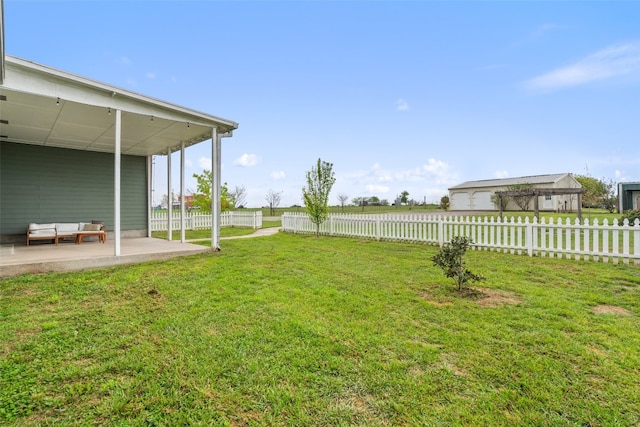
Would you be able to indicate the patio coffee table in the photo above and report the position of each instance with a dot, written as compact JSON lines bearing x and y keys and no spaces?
{"x":102,"y":236}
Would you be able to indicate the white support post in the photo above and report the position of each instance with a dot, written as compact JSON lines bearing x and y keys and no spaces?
{"x":182,"y":233}
{"x":116,"y":183}
{"x":169,"y":197}
{"x":216,"y":163}
{"x":149,"y":193}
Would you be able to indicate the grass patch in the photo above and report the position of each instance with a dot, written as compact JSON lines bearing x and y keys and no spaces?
{"x":206,"y":234}
{"x":296,"y":330}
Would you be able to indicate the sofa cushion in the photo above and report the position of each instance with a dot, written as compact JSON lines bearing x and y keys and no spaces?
{"x":67,"y":227}
{"x":42,"y":233}
{"x":42,"y":229}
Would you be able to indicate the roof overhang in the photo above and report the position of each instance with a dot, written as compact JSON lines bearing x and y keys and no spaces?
{"x":44,"y":106}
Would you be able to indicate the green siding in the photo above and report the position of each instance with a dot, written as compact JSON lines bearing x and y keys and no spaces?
{"x":44,"y":184}
{"x":626,"y":194}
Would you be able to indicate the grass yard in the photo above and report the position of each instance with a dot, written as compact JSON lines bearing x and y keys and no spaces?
{"x":206,"y":234}
{"x":300,"y":331}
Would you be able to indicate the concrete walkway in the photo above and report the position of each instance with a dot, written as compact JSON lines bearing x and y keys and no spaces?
{"x":259,"y":233}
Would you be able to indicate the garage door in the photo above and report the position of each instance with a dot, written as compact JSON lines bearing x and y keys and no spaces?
{"x":460,"y":202}
{"x":482,"y":201}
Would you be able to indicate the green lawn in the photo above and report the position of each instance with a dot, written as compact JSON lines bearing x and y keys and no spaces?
{"x":303,"y":331}
{"x":206,"y":234}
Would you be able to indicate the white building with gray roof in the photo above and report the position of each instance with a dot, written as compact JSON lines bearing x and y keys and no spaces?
{"x":479,"y":195}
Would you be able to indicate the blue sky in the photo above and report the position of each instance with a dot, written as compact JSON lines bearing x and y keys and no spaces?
{"x":398,"y":95}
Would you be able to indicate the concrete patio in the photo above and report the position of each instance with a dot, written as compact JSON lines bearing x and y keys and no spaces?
{"x":67,"y":256}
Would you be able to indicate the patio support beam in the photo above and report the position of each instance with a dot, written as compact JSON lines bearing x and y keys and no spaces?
{"x":116,"y":182}
{"x":182,"y":233}
{"x":169,"y":197}
{"x":149,"y":193}
{"x":215,"y":188}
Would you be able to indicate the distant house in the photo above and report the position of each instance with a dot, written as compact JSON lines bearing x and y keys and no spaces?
{"x":628,"y":196}
{"x":188,"y":202}
{"x":479,"y":195}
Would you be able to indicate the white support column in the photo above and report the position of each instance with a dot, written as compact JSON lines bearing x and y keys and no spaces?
{"x":149,"y":193}
{"x":116,"y":183}
{"x":182,"y":232}
{"x":169,"y":197}
{"x":215,"y":189}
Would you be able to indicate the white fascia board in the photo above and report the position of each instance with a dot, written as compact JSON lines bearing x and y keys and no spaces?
{"x":30,"y":77}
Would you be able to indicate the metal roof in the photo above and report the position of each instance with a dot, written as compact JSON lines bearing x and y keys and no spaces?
{"x":503,"y":182}
{"x":44,"y":106}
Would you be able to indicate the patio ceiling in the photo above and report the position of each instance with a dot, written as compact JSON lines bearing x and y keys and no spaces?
{"x":43,"y":106}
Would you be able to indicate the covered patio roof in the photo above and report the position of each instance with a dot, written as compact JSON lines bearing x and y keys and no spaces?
{"x":44,"y":106}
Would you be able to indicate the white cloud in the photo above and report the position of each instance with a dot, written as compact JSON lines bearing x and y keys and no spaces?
{"x":246,"y":160}
{"x":376,"y":189}
{"x":278,"y":175}
{"x":430,"y":179}
{"x":402,"y":105}
{"x":621,"y":176}
{"x":204,"y":163}
{"x":435,"y":167}
{"x":614,"y":61}
{"x":173,"y":79}
{"x":501,"y":174}
{"x":132,"y":82}
{"x":151,"y":75}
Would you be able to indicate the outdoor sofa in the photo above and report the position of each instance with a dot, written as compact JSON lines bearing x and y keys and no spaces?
{"x":65,"y":230}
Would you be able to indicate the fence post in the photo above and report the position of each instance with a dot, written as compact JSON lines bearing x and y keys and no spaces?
{"x":441,"y":231}
{"x":378,"y":233}
{"x":528,"y":237}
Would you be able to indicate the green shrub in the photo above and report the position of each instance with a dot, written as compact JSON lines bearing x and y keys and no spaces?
{"x":445,"y":203}
{"x":630,"y":215}
{"x":451,"y":259}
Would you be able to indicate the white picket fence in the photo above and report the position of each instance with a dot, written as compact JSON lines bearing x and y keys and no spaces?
{"x":202,"y":221}
{"x":586,"y":240}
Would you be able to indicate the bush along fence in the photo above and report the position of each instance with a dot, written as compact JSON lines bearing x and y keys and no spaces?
{"x":586,"y":240}
{"x":202,"y":221}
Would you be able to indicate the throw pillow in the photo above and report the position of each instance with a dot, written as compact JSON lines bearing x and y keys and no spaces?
{"x":92,"y":227}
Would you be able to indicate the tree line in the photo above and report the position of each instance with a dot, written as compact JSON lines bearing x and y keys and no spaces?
{"x":599,"y":193}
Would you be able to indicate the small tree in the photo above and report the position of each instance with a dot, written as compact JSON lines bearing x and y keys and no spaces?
{"x":273,"y":198}
{"x":522,"y":200}
{"x":500,"y":202}
{"x":202,"y":197}
{"x":239,"y":195}
{"x":404,"y":196}
{"x":450,"y":259}
{"x":595,"y":190}
{"x":610,"y":200}
{"x":444,"y":203}
{"x":343,"y":200}
{"x":320,"y":179}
